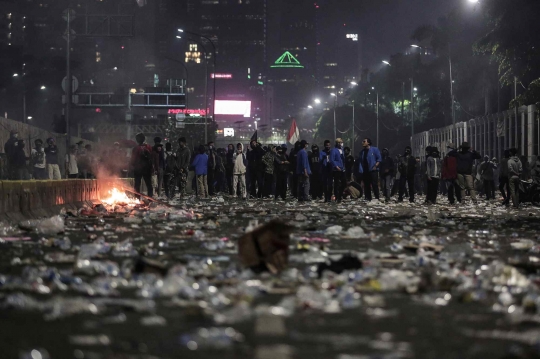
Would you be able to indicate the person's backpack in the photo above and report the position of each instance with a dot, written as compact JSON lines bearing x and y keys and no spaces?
{"x":170,"y":163}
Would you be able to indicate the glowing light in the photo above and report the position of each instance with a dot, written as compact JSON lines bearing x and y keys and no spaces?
{"x":317,"y":100}
{"x":415,"y":46}
{"x":354,"y":83}
{"x":42,"y":87}
{"x":221,"y":76}
{"x":309,"y":106}
{"x":119,"y":197}
{"x":386,"y":62}
{"x":353,"y":37}
{"x":225,"y":107}
{"x":15,"y":75}
{"x":287,"y":60}
{"x":185,"y":111}
{"x":228,"y":132}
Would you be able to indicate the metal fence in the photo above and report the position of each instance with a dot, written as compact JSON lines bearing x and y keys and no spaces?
{"x":489,"y":135}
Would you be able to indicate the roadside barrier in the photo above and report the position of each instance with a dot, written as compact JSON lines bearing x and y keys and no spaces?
{"x":34,"y":199}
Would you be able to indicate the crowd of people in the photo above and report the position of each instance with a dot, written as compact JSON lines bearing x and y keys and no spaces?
{"x":330,"y":174}
{"x":43,"y":161}
{"x":306,"y":172}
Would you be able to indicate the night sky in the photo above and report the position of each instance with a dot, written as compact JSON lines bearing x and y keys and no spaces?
{"x":386,"y":25}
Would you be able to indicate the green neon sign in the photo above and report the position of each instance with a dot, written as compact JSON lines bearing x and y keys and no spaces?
{"x":287,"y":60}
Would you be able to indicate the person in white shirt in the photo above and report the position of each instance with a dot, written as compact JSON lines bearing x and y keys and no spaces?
{"x":72,"y":170}
{"x":38,"y":161}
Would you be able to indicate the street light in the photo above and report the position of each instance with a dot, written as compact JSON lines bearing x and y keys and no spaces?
{"x":309,"y":106}
{"x":415,"y":46}
{"x":42,"y":87}
{"x":373,"y":88}
{"x":354,"y":83}
{"x":15,"y":75}
{"x":29,"y":117}
{"x":335,"y":104}
{"x":317,"y":101}
{"x":386,"y":63}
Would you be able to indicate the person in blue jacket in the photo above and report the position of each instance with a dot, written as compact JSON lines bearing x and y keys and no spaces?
{"x":200,"y":165}
{"x":302,"y":172}
{"x":368,"y":165}
{"x":337,"y":162}
{"x":326,"y":171}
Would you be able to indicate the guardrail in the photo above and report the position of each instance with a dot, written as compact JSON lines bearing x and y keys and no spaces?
{"x":36,"y":199}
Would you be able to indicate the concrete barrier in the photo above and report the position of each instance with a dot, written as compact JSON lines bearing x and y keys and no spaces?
{"x":37,"y":199}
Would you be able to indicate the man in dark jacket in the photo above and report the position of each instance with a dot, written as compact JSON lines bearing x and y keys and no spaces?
{"x":326,"y":171}
{"x":142,"y":164}
{"x":387,"y":174}
{"x":303,"y":171}
{"x":349,"y":164}
{"x":211,"y":177}
{"x":369,"y":162}
{"x":229,"y":165}
{"x":255,"y":169}
{"x":315,"y":180}
{"x":449,"y":175}
{"x":515,"y":169}
{"x":294,"y":178}
{"x":337,"y":163}
{"x":183,"y":158}
{"x":487,"y":169}
{"x":504,"y":184}
{"x":282,"y":172}
{"x":407,"y":170}
{"x":19,"y":160}
{"x":9,"y":150}
{"x":159,"y":163}
{"x":465,"y":160}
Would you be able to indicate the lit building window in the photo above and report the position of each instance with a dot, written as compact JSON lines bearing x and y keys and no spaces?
{"x":330,"y":64}
{"x":98,"y":56}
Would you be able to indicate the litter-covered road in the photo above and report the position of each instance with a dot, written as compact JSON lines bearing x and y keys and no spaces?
{"x":356,"y":280}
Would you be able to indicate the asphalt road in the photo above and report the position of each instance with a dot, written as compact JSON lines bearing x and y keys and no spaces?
{"x":435,"y":283}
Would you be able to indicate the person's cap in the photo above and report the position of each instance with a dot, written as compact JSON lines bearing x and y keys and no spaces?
{"x":339,"y":140}
{"x":465,"y":145}
{"x":303,"y":143}
{"x":117,"y":143}
{"x":451,"y":145}
{"x":80,"y":142}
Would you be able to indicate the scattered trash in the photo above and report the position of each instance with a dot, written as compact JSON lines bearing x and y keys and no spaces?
{"x":49,"y":226}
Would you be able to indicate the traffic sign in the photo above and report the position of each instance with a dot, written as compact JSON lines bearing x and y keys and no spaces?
{"x":74,"y":84}
{"x":180,"y":117}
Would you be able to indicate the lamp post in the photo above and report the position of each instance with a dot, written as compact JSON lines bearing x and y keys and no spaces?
{"x":206,"y":80}
{"x":335,"y":104}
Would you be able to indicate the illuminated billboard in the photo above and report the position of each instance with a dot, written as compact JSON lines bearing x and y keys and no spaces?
{"x":186,"y":111}
{"x":221,"y":76}
{"x":242,"y":108}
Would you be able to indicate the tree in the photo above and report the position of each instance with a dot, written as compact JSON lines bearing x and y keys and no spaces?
{"x":512,"y":38}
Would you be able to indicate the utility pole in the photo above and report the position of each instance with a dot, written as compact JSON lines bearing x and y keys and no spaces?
{"x":412,"y":106}
{"x":454,"y":135}
{"x":378,"y":118}
{"x":353,"y":129}
{"x":69,"y":82}
{"x":335,"y":104}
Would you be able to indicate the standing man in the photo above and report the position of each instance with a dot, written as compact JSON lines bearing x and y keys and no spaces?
{"x":38,"y":161}
{"x":315,"y":165}
{"x":387,"y":174}
{"x":19,"y":159}
{"x":369,"y":161}
{"x":504,"y":182}
{"x":407,"y":170}
{"x":487,"y":169}
{"x":239,"y":172}
{"x":294,"y":178}
{"x":349,"y":164}
{"x":303,"y":171}
{"x":212,"y":161}
{"x":9,"y":150}
{"x":282,"y":172}
{"x":72,"y":170}
{"x":183,"y":158}
{"x":449,"y":175}
{"x":200,"y":165}
{"x":171,"y":171}
{"x":433,"y":172}
{"x":337,"y":163}
{"x":229,"y":166}
{"x":254,"y":158}
{"x":159,"y":164}
{"x":465,"y":160}
{"x":142,"y":164}
{"x":326,"y":171}
{"x":51,"y":156}
{"x":515,"y":169}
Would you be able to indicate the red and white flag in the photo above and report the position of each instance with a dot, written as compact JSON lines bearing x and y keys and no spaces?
{"x":294,"y":134}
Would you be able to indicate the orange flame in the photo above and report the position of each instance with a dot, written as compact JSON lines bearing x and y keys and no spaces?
{"x":119,"y":197}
